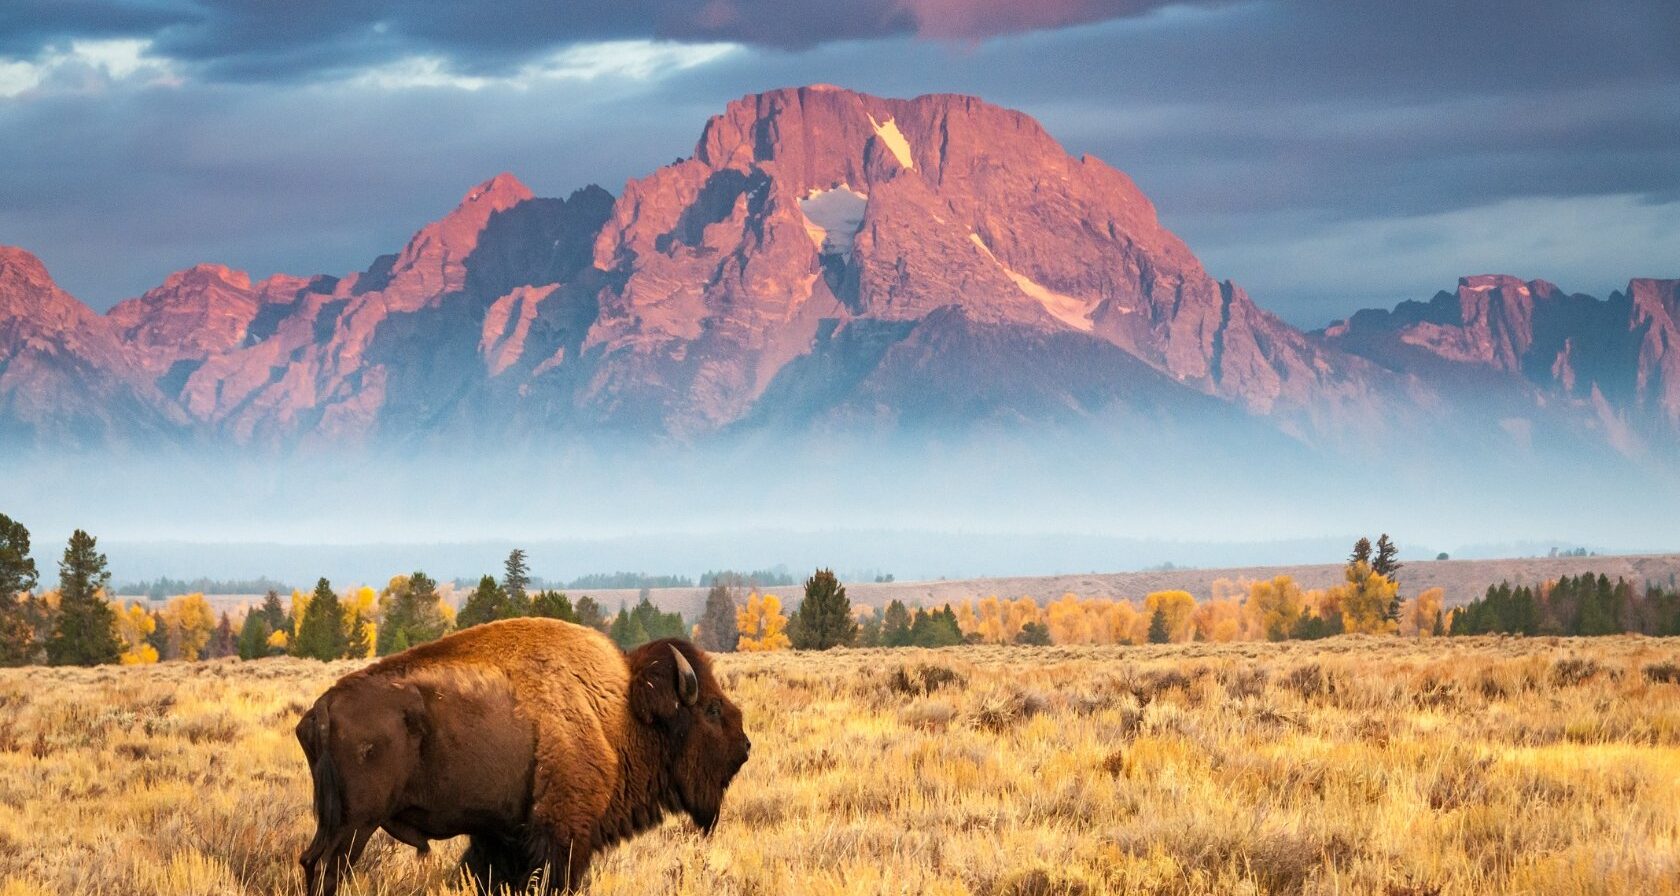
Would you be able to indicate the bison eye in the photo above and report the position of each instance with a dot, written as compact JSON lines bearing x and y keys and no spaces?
{"x":713,"y":711}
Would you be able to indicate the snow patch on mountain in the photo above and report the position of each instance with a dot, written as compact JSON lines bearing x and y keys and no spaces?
{"x":1070,"y":310}
{"x":833,"y":218}
{"x":894,"y":139}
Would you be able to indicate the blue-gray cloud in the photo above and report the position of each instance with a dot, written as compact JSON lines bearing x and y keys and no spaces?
{"x":1266,"y":131}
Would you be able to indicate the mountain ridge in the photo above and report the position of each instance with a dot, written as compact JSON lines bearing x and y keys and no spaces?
{"x":823,"y":259}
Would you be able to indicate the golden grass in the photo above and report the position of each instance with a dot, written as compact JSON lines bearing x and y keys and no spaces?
{"x":1357,"y":765}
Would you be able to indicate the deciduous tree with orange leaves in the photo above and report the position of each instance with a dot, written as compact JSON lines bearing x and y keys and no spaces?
{"x":761,"y":624}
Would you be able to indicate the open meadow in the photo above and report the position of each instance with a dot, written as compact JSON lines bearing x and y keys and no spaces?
{"x":1352,"y":765}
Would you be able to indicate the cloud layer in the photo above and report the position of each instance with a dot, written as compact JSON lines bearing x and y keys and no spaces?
{"x":1446,"y":138}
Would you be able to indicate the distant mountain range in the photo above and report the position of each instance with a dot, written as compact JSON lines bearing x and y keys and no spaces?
{"x":827,"y":261}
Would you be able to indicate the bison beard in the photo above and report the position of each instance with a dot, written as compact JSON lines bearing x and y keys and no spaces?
{"x":537,"y":739}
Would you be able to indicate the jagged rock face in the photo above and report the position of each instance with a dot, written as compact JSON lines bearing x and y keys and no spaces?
{"x":66,"y":381}
{"x":1654,"y":320}
{"x":394,"y":349}
{"x":825,"y":259}
{"x":822,"y":204}
{"x":1615,"y":358}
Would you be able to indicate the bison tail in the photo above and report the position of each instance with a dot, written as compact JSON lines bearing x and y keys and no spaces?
{"x":329,"y":790}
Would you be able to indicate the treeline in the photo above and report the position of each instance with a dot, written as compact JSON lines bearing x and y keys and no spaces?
{"x":605,"y":581}
{"x":165,"y":586}
{"x":1578,"y":605}
{"x":775,"y":577}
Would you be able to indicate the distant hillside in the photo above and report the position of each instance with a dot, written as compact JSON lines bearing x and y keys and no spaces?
{"x":1462,"y":580}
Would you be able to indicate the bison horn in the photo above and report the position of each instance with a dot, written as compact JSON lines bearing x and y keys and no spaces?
{"x":688,"y":684}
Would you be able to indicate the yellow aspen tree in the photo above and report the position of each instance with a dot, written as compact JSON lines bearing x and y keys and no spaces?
{"x":1418,"y":614}
{"x":133,"y":625}
{"x":192,"y":622}
{"x":1023,"y":610}
{"x":1365,"y":601}
{"x":299,"y":606}
{"x":1176,"y":607}
{"x":761,"y":624}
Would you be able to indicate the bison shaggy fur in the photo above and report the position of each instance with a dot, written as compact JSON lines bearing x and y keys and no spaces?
{"x":539,"y":740}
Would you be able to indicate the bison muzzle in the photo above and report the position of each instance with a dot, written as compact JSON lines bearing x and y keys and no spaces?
{"x":537,"y":739}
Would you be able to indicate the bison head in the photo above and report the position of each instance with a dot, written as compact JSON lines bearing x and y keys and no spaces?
{"x":673,"y":690}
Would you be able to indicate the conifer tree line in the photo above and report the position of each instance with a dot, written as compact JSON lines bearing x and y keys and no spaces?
{"x":1573,"y":605}
{"x":78,"y":623}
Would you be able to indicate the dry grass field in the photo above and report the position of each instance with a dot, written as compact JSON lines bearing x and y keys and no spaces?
{"x":1356,"y":765}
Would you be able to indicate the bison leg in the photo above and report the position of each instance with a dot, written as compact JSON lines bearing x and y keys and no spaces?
{"x":496,"y":863}
{"x":566,"y":864}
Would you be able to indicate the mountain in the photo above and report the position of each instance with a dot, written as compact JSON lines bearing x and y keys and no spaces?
{"x":1528,"y":343}
{"x":825,"y":261}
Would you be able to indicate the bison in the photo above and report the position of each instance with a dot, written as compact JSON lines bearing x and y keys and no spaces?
{"x":537,"y":739}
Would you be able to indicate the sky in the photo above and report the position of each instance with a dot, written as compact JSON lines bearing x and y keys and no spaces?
{"x":1327,"y":155}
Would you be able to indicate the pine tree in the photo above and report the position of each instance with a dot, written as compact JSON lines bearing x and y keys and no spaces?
{"x":895,"y":625}
{"x":935,"y":628}
{"x":516,"y":582}
{"x":590,"y":614}
{"x":824,"y":618}
{"x":410,"y":614}
{"x":1158,"y":633}
{"x":656,"y":624}
{"x":321,"y":635}
{"x":1037,"y":634}
{"x":18,"y":576}
{"x":275,"y":615}
{"x":487,"y":603}
{"x":717,"y":622}
{"x":86,"y":633}
{"x":553,"y":605}
{"x":627,"y":630}
{"x":224,"y":642}
{"x":253,"y":636}
{"x":1385,"y":564}
{"x":162,"y":639}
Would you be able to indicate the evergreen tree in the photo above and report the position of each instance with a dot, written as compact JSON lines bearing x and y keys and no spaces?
{"x":590,"y":614}
{"x":824,"y":618}
{"x":656,"y":624}
{"x":869,"y":631}
{"x":487,"y":603}
{"x":935,"y":628}
{"x":86,"y":633}
{"x":516,"y":583}
{"x":553,"y":605}
{"x":17,"y":569}
{"x":275,"y":615}
{"x":410,"y":614}
{"x":1037,"y":634}
{"x":627,"y":630}
{"x":1361,"y":551}
{"x":253,"y":636}
{"x":895,"y":625}
{"x":17,"y":577}
{"x":1385,"y":563}
{"x":1158,"y":633}
{"x":161,"y":639}
{"x":717,"y":622}
{"x":224,"y":642}
{"x":321,"y":634}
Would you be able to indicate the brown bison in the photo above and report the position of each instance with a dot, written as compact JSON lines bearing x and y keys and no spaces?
{"x":537,"y":739}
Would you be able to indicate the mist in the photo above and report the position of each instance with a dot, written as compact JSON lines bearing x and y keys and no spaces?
{"x":1126,"y":494}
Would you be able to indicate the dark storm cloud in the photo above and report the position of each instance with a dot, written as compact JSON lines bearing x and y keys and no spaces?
{"x":241,"y":40}
{"x":1296,"y":144}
